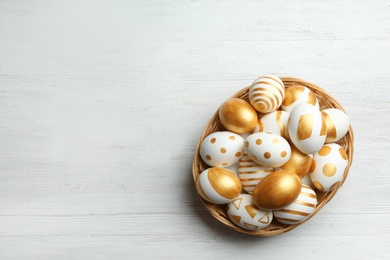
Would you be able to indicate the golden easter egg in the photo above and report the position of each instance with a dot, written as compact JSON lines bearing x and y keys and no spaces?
{"x":238,"y":116}
{"x":218,"y":185}
{"x":277,"y":190}
{"x":299,"y":163}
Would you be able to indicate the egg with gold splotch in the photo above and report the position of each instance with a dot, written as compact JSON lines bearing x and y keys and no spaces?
{"x":337,"y":124}
{"x":299,"y":163}
{"x":222,"y":149}
{"x":274,"y":122}
{"x":244,"y":214}
{"x":300,"y":210}
{"x":238,"y":116}
{"x":218,"y":185}
{"x":266,"y":93}
{"x":307,"y":128}
{"x":268,"y":149}
{"x":278,"y":190}
{"x":296,"y":95}
{"x":251,"y":173}
{"x":329,"y":167}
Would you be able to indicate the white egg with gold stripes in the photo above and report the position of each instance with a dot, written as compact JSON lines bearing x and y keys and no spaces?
{"x":300,"y":210}
{"x":251,"y":173}
{"x":266,"y":93}
{"x":328,"y":168}
{"x":274,"y":122}
{"x":218,"y":185}
{"x":244,"y":214}
{"x":296,"y":95}
{"x":307,"y":128}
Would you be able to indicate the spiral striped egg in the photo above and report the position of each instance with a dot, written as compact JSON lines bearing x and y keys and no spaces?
{"x":251,"y":173}
{"x":300,"y":210}
{"x":266,"y":93}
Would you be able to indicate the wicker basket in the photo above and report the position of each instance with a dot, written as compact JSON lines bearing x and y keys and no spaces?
{"x":219,"y":212}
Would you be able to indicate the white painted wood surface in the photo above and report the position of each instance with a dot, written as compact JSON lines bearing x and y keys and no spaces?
{"x":103,"y":102}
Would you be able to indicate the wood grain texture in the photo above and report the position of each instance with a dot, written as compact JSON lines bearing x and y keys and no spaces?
{"x":103,"y":102}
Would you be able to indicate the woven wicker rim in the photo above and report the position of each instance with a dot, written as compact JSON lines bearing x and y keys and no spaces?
{"x":214,"y":125}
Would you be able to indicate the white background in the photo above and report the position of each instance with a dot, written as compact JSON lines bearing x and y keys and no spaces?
{"x":102,"y":104}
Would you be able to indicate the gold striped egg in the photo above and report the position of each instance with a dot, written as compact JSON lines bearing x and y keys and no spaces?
{"x":244,"y":214}
{"x":329,"y":165}
{"x":274,"y":122}
{"x":277,"y":190}
{"x":299,"y":163}
{"x":296,"y":95}
{"x":300,"y":210}
{"x":337,"y":124}
{"x":238,"y":116}
{"x":251,"y":173}
{"x":218,"y":185}
{"x":307,"y":128}
{"x":266,"y":93}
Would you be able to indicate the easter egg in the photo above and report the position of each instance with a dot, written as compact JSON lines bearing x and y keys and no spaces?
{"x":337,"y":124}
{"x":296,"y":95}
{"x":307,"y":128}
{"x":266,"y":93}
{"x":329,"y":166}
{"x":307,"y":181}
{"x":251,"y":173}
{"x":300,"y":210}
{"x":218,"y":185}
{"x":268,"y":149}
{"x":222,"y":149}
{"x":245,"y":215}
{"x":277,"y":190}
{"x":274,"y":122}
{"x":238,"y":116}
{"x":299,"y":163}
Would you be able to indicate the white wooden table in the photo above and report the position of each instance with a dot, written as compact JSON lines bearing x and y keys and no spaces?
{"x":103,"y":102}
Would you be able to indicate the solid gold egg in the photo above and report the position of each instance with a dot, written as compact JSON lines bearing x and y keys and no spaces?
{"x":277,"y":190}
{"x":299,"y":162}
{"x":238,"y":116}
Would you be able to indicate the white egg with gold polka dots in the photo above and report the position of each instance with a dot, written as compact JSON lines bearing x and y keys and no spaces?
{"x":274,"y":122}
{"x":328,"y":168}
{"x":251,"y":173}
{"x":307,"y":128}
{"x":222,"y":149}
{"x":300,"y":210}
{"x":244,"y":214}
{"x":268,"y":149}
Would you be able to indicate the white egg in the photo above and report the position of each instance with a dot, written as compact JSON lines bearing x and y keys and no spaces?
{"x":222,"y":149}
{"x":337,"y":124}
{"x":329,"y":166}
{"x":266,"y":93}
{"x":307,"y":181}
{"x":274,"y":122}
{"x":268,"y":149}
{"x":233,"y":168}
{"x":251,"y":173}
{"x":296,"y":95}
{"x":300,"y":210}
{"x":218,"y":185}
{"x":242,"y":213}
{"x":307,"y":128}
